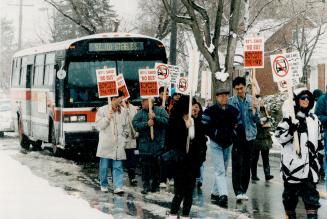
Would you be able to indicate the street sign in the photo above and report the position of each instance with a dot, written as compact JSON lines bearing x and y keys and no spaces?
{"x":107,"y":84}
{"x":287,"y":66}
{"x":122,"y":86}
{"x":254,"y":52}
{"x":282,"y":85}
{"x":183,"y":85}
{"x":148,"y":83}
{"x":280,"y":68}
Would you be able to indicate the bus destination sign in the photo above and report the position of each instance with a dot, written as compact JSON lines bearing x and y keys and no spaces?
{"x":117,"y":46}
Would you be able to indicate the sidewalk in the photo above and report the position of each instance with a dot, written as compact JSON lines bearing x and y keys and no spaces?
{"x":24,"y":195}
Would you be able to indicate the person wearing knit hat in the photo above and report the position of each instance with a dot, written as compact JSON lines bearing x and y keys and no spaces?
{"x":300,"y":170}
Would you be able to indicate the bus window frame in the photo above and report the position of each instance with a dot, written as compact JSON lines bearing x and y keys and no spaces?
{"x":37,"y":82}
{"x":16,"y":72}
{"x":49,"y":69}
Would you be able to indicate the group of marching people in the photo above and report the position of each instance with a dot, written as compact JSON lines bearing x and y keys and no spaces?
{"x":236,"y":127}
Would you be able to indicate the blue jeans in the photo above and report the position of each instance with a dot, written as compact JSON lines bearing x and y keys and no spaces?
{"x":117,"y":172}
{"x":200,"y":179}
{"x":220,"y":158}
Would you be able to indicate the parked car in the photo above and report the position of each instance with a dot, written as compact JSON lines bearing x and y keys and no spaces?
{"x":6,"y":121}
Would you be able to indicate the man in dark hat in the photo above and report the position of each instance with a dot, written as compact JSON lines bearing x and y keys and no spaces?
{"x":220,"y":121}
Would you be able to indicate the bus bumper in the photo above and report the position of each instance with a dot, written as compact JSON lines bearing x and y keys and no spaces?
{"x":82,"y":138}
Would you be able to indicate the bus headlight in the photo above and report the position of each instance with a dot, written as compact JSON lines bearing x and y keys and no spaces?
{"x":75,"y":118}
{"x":81,"y":118}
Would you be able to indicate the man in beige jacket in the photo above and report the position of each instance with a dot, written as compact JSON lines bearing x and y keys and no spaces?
{"x":112,"y":123}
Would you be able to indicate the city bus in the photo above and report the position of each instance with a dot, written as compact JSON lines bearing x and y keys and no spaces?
{"x":54,"y":89}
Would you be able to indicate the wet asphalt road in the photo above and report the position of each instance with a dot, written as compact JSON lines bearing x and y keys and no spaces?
{"x":80,"y":178}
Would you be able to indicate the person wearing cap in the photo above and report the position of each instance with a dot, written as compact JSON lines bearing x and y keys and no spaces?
{"x":246,"y":132}
{"x":150,"y":149}
{"x":220,"y":121}
{"x":300,"y":169}
{"x":321,"y":112}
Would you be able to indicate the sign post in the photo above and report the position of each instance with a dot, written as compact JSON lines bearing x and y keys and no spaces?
{"x":286,"y":69}
{"x":107,"y":87}
{"x":164,"y":79}
{"x":149,"y":88}
{"x":254,"y":58}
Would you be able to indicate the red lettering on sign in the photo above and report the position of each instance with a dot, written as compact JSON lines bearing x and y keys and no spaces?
{"x":253,"y":58}
{"x":149,"y":88}
{"x":107,"y":88}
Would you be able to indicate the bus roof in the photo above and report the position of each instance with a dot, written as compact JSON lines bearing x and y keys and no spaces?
{"x":65,"y":44}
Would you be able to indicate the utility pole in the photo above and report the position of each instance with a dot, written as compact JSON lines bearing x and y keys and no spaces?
{"x":173,"y":35}
{"x":20,"y":24}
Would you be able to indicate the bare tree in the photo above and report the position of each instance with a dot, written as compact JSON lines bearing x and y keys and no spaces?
{"x":85,"y":17}
{"x":7,"y":49}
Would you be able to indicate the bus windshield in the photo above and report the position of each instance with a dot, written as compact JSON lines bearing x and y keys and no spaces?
{"x":82,"y":82}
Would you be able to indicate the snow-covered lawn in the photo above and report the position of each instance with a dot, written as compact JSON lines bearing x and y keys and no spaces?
{"x":24,"y":195}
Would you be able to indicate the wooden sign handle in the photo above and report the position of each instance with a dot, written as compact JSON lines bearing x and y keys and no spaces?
{"x":253,"y":90}
{"x":150,"y":111}
{"x":112,"y":121}
{"x":164,"y":97}
{"x":296,"y":142}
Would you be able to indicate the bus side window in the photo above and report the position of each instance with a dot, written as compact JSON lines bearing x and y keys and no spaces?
{"x":16,"y":72}
{"x":22,"y":78}
{"x":39,"y":70}
{"x":49,"y":69}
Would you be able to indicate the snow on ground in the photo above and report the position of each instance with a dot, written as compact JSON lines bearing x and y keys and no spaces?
{"x":33,"y":197}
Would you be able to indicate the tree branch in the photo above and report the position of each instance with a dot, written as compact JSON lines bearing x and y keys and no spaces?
{"x":179,"y":19}
{"x":88,"y":30}
{"x":258,"y":14}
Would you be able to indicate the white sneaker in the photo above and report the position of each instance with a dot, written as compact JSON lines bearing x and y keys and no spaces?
{"x":119,"y":191}
{"x":239,"y":197}
{"x":104,"y":189}
{"x":245,"y":197}
{"x":163,"y":185}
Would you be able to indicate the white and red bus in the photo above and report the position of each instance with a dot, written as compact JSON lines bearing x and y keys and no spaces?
{"x":61,"y":112}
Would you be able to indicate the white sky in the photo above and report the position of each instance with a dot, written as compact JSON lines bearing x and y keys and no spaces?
{"x":35,"y":18}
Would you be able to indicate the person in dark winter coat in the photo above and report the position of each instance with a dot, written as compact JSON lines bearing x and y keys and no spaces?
{"x":262,"y":144}
{"x":188,"y":168}
{"x":300,"y":171}
{"x":220,"y":121}
{"x":150,"y":149}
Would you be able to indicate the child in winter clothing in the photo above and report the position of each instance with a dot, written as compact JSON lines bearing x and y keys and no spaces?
{"x":300,"y":171}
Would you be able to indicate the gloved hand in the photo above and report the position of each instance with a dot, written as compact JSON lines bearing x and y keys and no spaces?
{"x":293,"y":125}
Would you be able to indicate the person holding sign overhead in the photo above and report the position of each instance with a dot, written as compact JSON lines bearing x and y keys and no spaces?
{"x":300,"y":171}
{"x":112,"y":123}
{"x":150,"y":149}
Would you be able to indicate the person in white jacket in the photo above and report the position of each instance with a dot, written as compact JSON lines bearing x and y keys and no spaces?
{"x":300,"y":170}
{"x":111,"y":121}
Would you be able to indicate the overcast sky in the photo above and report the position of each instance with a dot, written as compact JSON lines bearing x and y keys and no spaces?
{"x":35,"y":17}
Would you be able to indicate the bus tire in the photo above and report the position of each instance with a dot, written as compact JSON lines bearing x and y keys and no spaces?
{"x":2,"y":134}
{"x":52,"y":137}
{"x":23,"y":139}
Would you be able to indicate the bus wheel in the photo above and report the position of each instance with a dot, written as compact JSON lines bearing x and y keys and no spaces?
{"x":55,"y":150}
{"x":2,"y":134}
{"x":37,"y":145}
{"x":23,"y":139}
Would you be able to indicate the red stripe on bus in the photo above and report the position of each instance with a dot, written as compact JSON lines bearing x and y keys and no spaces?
{"x":20,"y":94}
{"x":90,"y":116}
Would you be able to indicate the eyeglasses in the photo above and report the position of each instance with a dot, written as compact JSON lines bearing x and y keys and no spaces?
{"x":304,"y":97}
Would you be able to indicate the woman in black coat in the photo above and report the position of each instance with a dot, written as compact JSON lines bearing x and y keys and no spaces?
{"x":188,"y":168}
